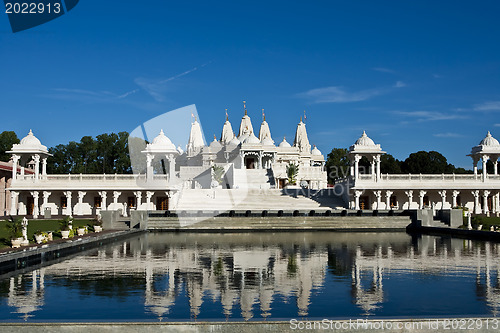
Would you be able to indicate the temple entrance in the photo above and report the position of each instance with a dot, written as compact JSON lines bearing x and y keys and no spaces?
{"x":250,"y":162}
{"x":162,"y":203}
{"x":281,"y":183}
{"x":30,"y":205}
{"x":364,"y":202}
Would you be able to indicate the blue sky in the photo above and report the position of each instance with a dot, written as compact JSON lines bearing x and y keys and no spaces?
{"x":416,"y":75}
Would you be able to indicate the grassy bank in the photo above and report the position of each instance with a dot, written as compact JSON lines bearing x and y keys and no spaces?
{"x":486,"y":222}
{"x":34,"y":226}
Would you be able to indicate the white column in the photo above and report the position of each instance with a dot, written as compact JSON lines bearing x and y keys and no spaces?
{"x":36,"y":210}
{"x":378,"y":195}
{"x":485,"y":159}
{"x":421,"y":196}
{"x":149,"y":167}
{"x":357,"y":194}
{"x":46,"y":196}
{"x":388,"y":199}
{"x":81,"y":195}
{"x":44,"y":167}
{"x":372,"y":167}
{"x":13,"y":202}
{"x":171,"y":167}
{"x":69,"y":210}
{"x":410,"y":197}
{"x":356,"y":166}
{"x":116,"y":195}
{"x":36,"y":159}
{"x":495,"y":166}
{"x":486,"y":193}
{"x":149,"y":194}
{"x":138,"y":196}
{"x":103,"y":196}
{"x":443,"y":198}
{"x":15,"y":160}
{"x":377,"y":161}
{"x":454,"y":198}
{"x":477,"y":207}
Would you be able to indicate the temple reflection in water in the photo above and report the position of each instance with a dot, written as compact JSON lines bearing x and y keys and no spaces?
{"x":248,"y":276}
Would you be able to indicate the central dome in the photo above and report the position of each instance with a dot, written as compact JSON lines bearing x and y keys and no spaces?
{"x":489,"y":141}
{"x":364,"y":140}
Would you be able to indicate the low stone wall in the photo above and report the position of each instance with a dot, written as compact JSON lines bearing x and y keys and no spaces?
{"x":322,"y":325}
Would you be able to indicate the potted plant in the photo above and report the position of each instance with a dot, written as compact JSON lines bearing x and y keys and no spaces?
{"x":40,"y":237}
{"x":15,"y":230}
{"x":81,"y":231}
{"x":97,"y":223}
{"x":66,"y":227}
{"x":292,"y":170}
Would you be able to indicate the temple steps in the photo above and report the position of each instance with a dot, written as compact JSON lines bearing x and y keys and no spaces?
{"x":301,"y":223}
{"x":271,"y":199}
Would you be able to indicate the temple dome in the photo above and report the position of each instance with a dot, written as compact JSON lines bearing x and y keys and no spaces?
{"x":489,"y":141}
{"x":316,"y":152}
{"x":163,"y":141}
{"x":251,"y":139}
{"x":268,"y":141}
{"x":284,"y":144}
{"x":215,"y":144}
{"x":364,"y":140}
{"x":30,"y":140}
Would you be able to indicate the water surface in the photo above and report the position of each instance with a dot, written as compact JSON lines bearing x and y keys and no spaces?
{"x":255,"y":276}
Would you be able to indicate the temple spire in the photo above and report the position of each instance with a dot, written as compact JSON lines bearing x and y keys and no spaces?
{"x":245,"y":107}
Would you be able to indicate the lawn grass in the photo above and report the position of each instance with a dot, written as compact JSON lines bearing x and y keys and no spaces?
{"x":34,"y":226}
{"x":487,"y":222}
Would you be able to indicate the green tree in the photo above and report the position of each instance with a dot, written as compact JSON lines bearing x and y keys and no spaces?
{"x":430,"y":162}
{"x":388,"y":164}
{"x":337,"y":164}
{"x":7,"y":139}
{"x":292,"y":170}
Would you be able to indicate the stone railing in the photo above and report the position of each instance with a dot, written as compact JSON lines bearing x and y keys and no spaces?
{"x":429,"y":177}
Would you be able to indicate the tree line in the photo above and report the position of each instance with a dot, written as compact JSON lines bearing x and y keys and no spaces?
{"x":106,"y":153}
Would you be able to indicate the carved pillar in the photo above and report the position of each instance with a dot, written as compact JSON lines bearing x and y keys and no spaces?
{"x":15,"y":160}
{"x":44,"y":167}
{"x":477,"y":207}
{"x":46,"y":195}
{"x":116,"y":195}
{"x":443,"y":198}
{"x":69,"y":210}
{"x":138,"y":196}
{"x":378,"y":195}
{"x":171,"y":167}
{"x":357,"y":158}
{"x":149,"y":167}
{"x":13,"y":202}
{"x":357,"y":194}
{"x":103,"y":196}
{"x":421,"y":196}
{"x":454,"y":198}
{"x":388,"y":199}
{"x":36,"y":210}
{"x":410,"y":197}
{"x":36,"y":159}
{"x":377,"y":160}
{"x":81,"y":195}
{"x":495,"y":166}
{"x":149,"y":194}
{"x":485,"y":159}
{"x":486,"y":193}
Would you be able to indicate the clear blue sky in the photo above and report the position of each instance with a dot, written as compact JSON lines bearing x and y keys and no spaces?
{"x":416,"y":75}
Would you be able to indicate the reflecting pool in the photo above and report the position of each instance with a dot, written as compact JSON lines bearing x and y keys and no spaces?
{"x":256,"y":276}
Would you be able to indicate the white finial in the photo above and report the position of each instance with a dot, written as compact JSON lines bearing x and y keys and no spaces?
{"x":364,"y":133}
{"x":161,"y":132}
{"x":31,"y":133}
{"x":489,"y":134}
